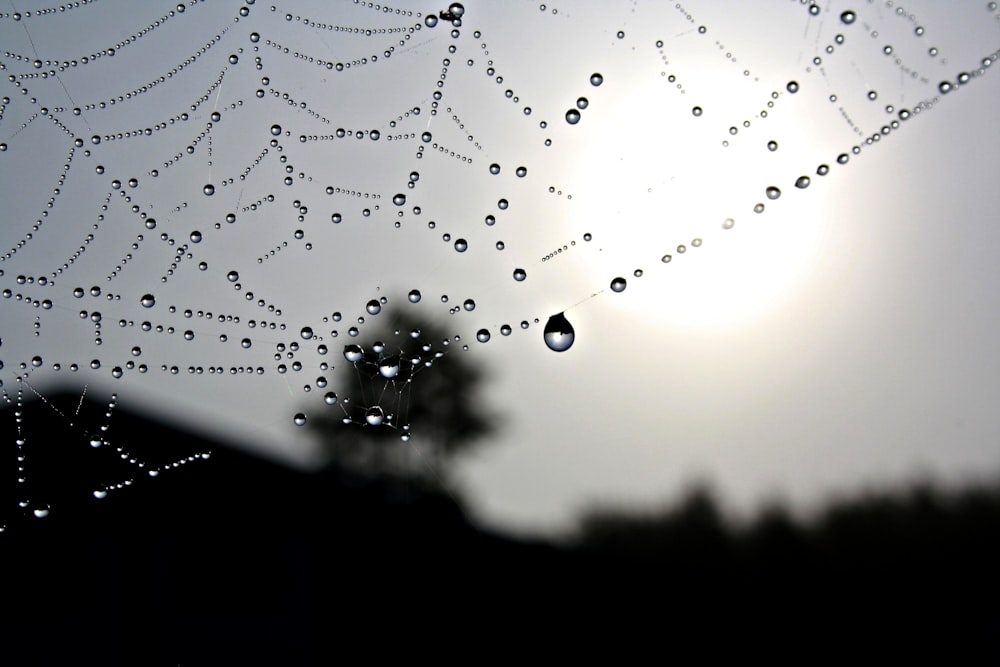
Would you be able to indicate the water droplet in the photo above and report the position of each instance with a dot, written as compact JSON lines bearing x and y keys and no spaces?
{"x":823,"y":170}
{"x":431,"y":21}
{"x":389,"y":367}
{"x":696,"y":111}
{"x":469,"y":305}
{"x":558,"y":334}
{"x":461,"y":245}
{"x":494,"y":169}
{"x":792,"y":87}
{"x":276,"y":130}
{"x":246,"y":343}
{"x":41,"y":512}
{"x":306,"y":333}
{"x":843,"y":158}
{"x":373,"y":307}
{"x":521,"y":172}
{"x":353,"y":353}
{"x":728,"y":223}
{"x":596,"y":79}
{"x":587,"y":236}
{"x":802,"y":182}
{"x":582,"y":103}
{"x":945,"y":87}
{"x":572,"y":116}
{"x":299,"y":419}
{"x":101,"y":493}
{"x":621,"y":34}
{"x":618,"y":284}
{"x":758,"y":208}
{"x":209,"y":189}
{"x":233,"y":276}
{"x":772,"y":192}
{"x":847,"y":18}
{"x":483,"y":335}
{"x":505,"y":330}
{"x":414,"y":296}
{"x":520,"y":274}
{"x":330,"y":398}
{"x":399,"y":199}
{"x":772,"y":145}
{"x":374,"y":416}
{"x":195,"y":237}
{"x":148,"y":301}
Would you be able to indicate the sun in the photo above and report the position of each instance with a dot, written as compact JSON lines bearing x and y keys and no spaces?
{"x":669,"y":194}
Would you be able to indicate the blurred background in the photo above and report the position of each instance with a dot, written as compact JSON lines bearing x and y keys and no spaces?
{"x":307,"y":262}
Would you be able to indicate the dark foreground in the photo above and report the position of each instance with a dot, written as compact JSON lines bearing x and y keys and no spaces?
{"x":234,"y":561}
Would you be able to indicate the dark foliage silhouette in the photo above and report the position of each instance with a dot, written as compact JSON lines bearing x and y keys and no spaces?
{"x":436,"y":413}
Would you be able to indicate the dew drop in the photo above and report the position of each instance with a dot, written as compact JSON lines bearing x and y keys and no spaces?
{"x":521,"y":172}
{"x":558,"y":334}
{"x":582,"y":103}
{"x":414,"y":296}
{"x":148,"y":301}
{"x":306,"y":333}
{"x":792,"y":87}
{"x":461,"y":245}
{"x":823,"y":170}
{"x":353,"y":353}
{"x":772,"y":145}
{"x":483,"y":335}
{"x":373,"y":307}
{"x":209,"y":189}
{"x":389,"y":367}
{"x":399,"y":199}
{"x":772,"y":192}
{"x":572,"y":116}
{"x":847,"y":18}
{"x":299,"y":419}
{"x":374,"y":416}
{"x":330,"y":398}
{"x":233,"y":276}
{"x":494,"y":169}
{"x":596,"y":79}
{"x":728,"y":223}
{"x":802,"y":182}
{"x":696,"y":111}
{"x":618,"y":284}
{"x":469,"y":305}
{"x":944,"y":87}
{"x":843,"y":158}
{"x":520,"y":274}
{"x":276,"y":130}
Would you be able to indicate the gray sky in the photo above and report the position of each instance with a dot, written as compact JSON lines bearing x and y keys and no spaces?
{"x":840,"y":339}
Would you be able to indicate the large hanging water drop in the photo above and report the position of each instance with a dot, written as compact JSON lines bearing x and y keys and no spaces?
{"x":389,"y":367}
{"x":558,"y":334}
{"x":374,"y":416}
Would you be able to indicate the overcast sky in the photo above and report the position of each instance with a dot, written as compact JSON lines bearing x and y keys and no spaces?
{"x":842,"y":338}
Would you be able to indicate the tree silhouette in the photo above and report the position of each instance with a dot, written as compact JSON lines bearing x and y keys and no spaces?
{"x":408,"y":407}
